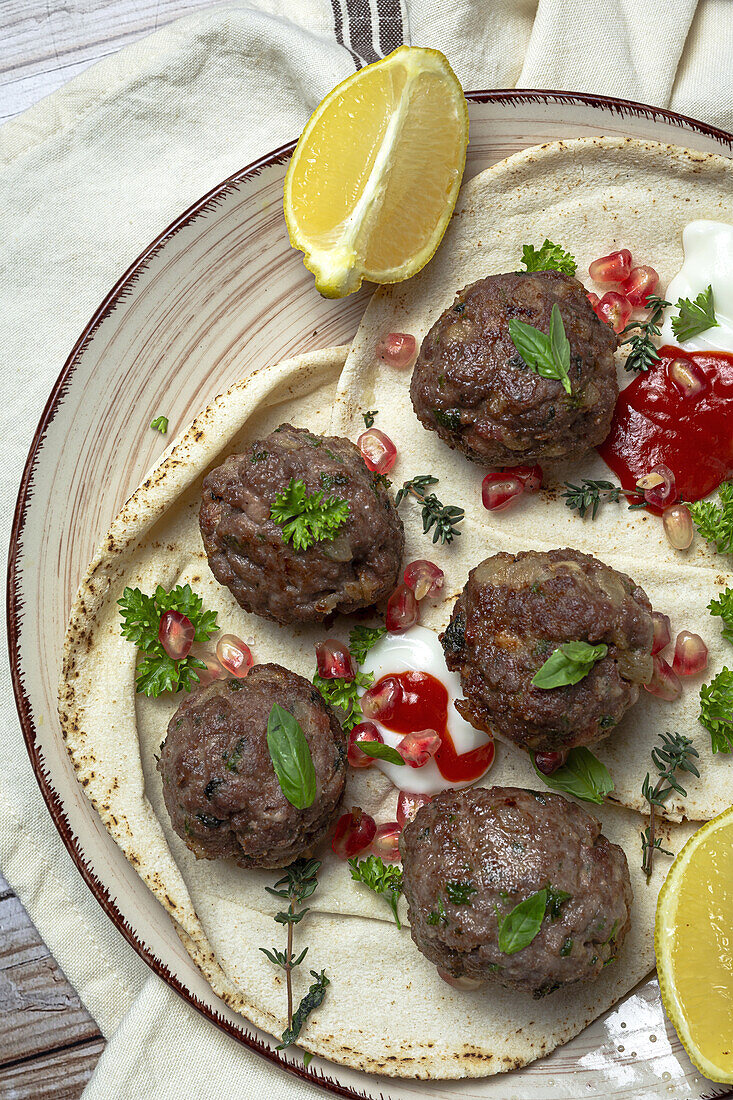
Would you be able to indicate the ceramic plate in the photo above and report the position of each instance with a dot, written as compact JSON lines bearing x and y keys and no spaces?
{"x":215,"y":296}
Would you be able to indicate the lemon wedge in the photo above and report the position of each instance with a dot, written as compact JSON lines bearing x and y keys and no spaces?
{"x":376,"y":172}
{"x":694,"y":945}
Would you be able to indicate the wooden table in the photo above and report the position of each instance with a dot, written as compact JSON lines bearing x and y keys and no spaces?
{"x":49,"y":1045}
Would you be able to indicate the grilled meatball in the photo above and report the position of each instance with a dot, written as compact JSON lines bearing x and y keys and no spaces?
{"x":472,"y":387}
{"x":469,"y":857}
{"x":514,"y":611}
{"x":219,"y":785}
{"x":267,"y":575}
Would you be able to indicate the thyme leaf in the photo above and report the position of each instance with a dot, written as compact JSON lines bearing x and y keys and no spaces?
{"x":444,"y":518}
{"x":675,"y":754}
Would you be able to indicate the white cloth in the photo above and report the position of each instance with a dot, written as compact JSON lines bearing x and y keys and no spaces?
{"x":87,"y":178}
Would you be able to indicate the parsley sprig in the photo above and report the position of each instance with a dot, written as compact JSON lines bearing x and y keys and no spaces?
{"x":444,"y":518}
{"x":590,"y":495}
{"x":716,"y":710}
{"x":384,"y":879}
{"x":722,"y":608}
{"x":715,"y":521}
{"x":297,"y":885}
{"x":547,"y":257}
{"x":361,"y":640}
{"x":695,"y":316}
{"x":638,"y":334}
{"x":344,"y":695}
{"x":307,"y":518}
{"x":675,"y":754}
{"x":160,"y":424}
{"x":548,"y":356}
{"x":157,"y":672}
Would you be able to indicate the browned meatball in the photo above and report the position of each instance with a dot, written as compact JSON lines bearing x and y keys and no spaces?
{"x":219,"y":785}
{"x":469,"y":857}
{"x":266,"y":574}
{"x":472,"y":387}
{"x":514,"y":611}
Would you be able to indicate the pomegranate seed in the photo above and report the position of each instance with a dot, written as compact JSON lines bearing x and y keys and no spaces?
{"x":175,"y":634}
{"x":549,"y":762}
{"x":213,"y":670}
{"x":386,"y":842}
{"x":614,"y":309}
{"x":499,"y":490}
{"x":408,"y":804}
{"x":690,"y":654}
{"x":459,"y":983}
{"x":641,"y":282}
{"x":613,"y":268}
{"x":365,"y":731}
{"x":382,"y":699}
{"x":402,"y":610}
{"x":397,"y":349}
{"x":662,"y":632}
{"x":234,"y":655}
{"x":530,"y":476}
{"x":686,"y":377}
{"x":665,"y":683}
{"x":593,"y":299}
{"x":354,"y":833}
{"x":377,"y":450}
{"x":424,"y":578}
{"x":334,"y":660}
{"x":658,"y":486}
{"x":678,"y":526}
{"x":417,"y":748}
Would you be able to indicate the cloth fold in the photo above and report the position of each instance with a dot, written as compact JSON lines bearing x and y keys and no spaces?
{"x":93,"y":173}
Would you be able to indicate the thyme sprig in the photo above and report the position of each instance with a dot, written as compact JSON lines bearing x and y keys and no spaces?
{"x":444,"y":518}
{"x":297,"y":885}
{"x":675,"y":754}
{"x":638,"y":334}
{"x":590,"y":495}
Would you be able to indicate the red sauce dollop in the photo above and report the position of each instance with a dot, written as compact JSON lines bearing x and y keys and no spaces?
{"x":424,"y":705}
{"x":654,"y":423}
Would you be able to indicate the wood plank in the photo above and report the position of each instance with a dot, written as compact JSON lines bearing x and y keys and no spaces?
{"x":19,"y":940}
{"x":60,"y":1075}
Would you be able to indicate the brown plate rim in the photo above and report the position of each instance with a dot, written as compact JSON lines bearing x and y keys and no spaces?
{"x":13,"y":598}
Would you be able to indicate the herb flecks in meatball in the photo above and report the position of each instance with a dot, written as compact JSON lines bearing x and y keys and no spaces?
{"x":514,"y":611}
{"x":472,"y":387}
{"x":470,"y":857}
{"x":356,"y":565}
{"x":219,"y":784}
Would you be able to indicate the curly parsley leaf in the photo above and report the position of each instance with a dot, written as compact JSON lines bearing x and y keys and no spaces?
{"x":361,"y":640}
{"x":140,"y":613}
{"x":582,"y":775}
{"x":385,"y":879}
{"x":569,"y":663}
{"x":307,"y":518}
{"x":695,"y":316}
{"x":460,"y":893}
{"x":722,"y":608}
{"x":548,"y":257}
{"x":716,"y":710}
{"x":160,"y":424}
{"x":548,"y":356}
{"x":291,"y":758}
{"x":344,"y":695}
{"x":715,"y":521}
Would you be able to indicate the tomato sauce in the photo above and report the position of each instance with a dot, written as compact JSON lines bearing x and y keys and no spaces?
{"x":654,"y":423}
{"x":424,"y":705}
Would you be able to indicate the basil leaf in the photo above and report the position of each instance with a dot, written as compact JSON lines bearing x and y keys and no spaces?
{"x":291,"y":758}
{"x":521,"y":925}
{"x":568,"y":664}
{"x":380,"y":752}
{"x":548,"y":356}
{"x":582,"y":775}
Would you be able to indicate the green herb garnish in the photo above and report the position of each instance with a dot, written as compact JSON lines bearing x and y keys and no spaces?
{"x":638,"y":334}
{"x":582,"y":775}
{"x":344,"y":694}
{"x":378,"y":751}
{"x":460,"y":893}
{"x":369,"y":417}
{"x":361,"y":640}
{"x":675,"y":754}
{"x":548,"y":356}
{"x":590,"y":495}
{"x":520,"y":926}
{"x":549,"y":257}
{"x":715,"y":521}
{"x":444,"y":518}
{"x":438,"y":916}
{"x":555,"y":901}
{"x":307,"y":518}
{"x":695,"y":317}
{"x":385,"y":879}
{"x":716,"y":710}
{"x":723,"y":609}
{"x":568,"y":664}
{"x":291,"y":758}
{"x":160,"y":424}
{"x":141,"y":614}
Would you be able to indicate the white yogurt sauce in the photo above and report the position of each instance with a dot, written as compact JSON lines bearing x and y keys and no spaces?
{"x":708,"y":248}
{"x":418,"y":650}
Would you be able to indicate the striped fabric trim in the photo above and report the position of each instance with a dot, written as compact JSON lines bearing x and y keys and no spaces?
{"x":369,"y":29}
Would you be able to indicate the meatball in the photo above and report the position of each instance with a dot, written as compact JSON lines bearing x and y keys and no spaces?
{"x":472,"y":387}
{"x":471,"y":856}
{"x":219,"y":784}
{"x":514,"y":611}
{"x":266,"y":574}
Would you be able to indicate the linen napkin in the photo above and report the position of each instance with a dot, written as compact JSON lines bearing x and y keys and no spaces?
{"x":87,"y":178}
